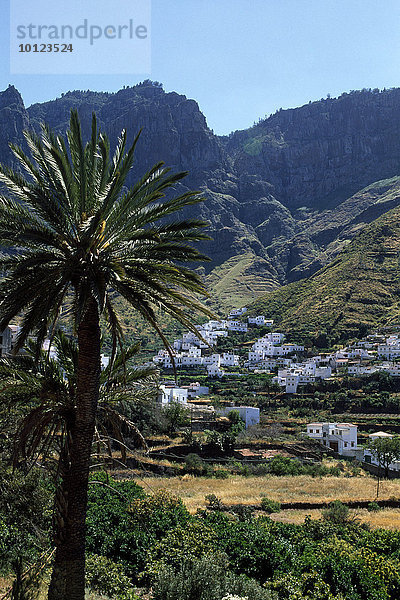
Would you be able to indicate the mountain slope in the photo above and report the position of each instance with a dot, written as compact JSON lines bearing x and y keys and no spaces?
{"x":282,"y":197}
{"x":358,"y":291}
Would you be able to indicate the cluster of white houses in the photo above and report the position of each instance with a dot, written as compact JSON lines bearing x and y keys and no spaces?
{"x":271,"y":353}
{"x":193,"y":350}
{"x":342,"y":438}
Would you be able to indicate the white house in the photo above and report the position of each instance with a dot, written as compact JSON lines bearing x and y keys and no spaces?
{"x":292,"y":381}
{"x":170,"y":393}
{"x":195,"y":389}
{"x":15,"y":329}
{"x":340,"y":437}
{"x":389,"y":351}
{"x":359,"y":369}
{"x":289,"y":348}
{"x":259,"y":321}
{"x":249,"y":414}
{"x":229,"y":360}
{"x":214,"y":370}
{"x":214,"y":325}
{"x":237,"y":326}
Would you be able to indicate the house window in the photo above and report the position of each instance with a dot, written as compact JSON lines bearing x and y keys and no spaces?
{"x":352,"y":444}
{"x":311,"y":431}
{"x":345,"y":444}
{"x":317,"y":431}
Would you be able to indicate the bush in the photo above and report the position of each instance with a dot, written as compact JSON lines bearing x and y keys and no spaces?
{"x":25,"y":516}
{"x":337,"y":513}
{"x":270,"y":506}
{"x":106,"y":577}
{"x":373,"y":507}
{"x":214,"y":503}
{"x":243,"y":512}
{"x":192,"y":541}
{"x":221,"y":474}
{"x":123,"y":523}
{"x":282,"y":465}
{"x":207,"y":578}
{"x":194,"y":464}
{"x":307,"y":586}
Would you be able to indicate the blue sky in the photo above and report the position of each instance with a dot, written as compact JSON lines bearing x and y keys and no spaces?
{"x":243,"y":59}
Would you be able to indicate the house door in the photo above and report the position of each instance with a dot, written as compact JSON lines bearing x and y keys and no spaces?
{"x":334,"y":446}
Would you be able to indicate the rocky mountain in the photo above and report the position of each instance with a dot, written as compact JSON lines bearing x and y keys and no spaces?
{"x":282,"y":197}
{"x":359,"y":290}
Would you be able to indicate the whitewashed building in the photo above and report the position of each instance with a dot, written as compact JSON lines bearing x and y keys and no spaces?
{"x":340,"y":437}
{"x":170,"y":393}
{"x":237,"y":326}
{"x":214,"y":370}
{"x":238,"y":312}
{"x":229,"y":359}
{"x":249,"y":414}
{"x":260,"y":321}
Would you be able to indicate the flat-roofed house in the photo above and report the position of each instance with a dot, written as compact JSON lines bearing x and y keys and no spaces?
{"x":340,"y":437}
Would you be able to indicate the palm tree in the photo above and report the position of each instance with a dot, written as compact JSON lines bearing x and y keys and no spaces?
{"x":73,"y":236}
{"x":37,"y":406}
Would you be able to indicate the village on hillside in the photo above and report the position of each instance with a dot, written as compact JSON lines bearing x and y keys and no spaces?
{"x":290,"y":365}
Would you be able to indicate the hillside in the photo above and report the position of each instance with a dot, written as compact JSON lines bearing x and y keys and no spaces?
{"x":358,"y":291}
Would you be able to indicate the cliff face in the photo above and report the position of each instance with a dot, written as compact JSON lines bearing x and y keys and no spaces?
{"x":277,"y":193}
{"x":321,"y":153}
{"x":13,"y":120}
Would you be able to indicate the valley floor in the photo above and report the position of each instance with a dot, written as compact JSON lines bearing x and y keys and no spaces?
{"x":249,"y":490}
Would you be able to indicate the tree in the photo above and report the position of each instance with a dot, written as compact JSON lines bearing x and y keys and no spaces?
{"x":74,"y":238}
{"x":176,"y":415}
{"x":385,"y":450}
{"x":39,"y":396}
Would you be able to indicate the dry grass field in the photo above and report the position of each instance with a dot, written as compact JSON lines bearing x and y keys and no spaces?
{"x":248,"y":490}
{"x":388,"y":518}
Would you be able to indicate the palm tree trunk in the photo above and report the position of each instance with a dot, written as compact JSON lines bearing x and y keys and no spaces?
{"x":57,"y":588}
{"x":70,"y":555}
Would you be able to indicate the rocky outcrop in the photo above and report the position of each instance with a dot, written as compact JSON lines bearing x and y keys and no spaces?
{"x":13,"y":120}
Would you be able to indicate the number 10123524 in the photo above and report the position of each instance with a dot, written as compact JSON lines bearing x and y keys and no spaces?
{"x":45,"y":48}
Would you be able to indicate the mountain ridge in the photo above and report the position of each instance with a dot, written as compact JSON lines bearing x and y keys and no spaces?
{"x":276,"y":194}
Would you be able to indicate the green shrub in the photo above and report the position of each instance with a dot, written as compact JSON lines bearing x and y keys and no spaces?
{"x":123,"y":523}
{"x":194,"y":464}
{"x":194,"y":540}
{"x":337,"y":513}
{"x":373,"y":507}
{"x":270,"y":506}
{"x":307,"y":586}
{"x":243,"y":512}
{"x":282,"y":465}
{"x":207,"y":578}
{"x":213,"y":502}
{"x":25,"y":516}
{"x":221,"y":474}
{"x":106,"y":577}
